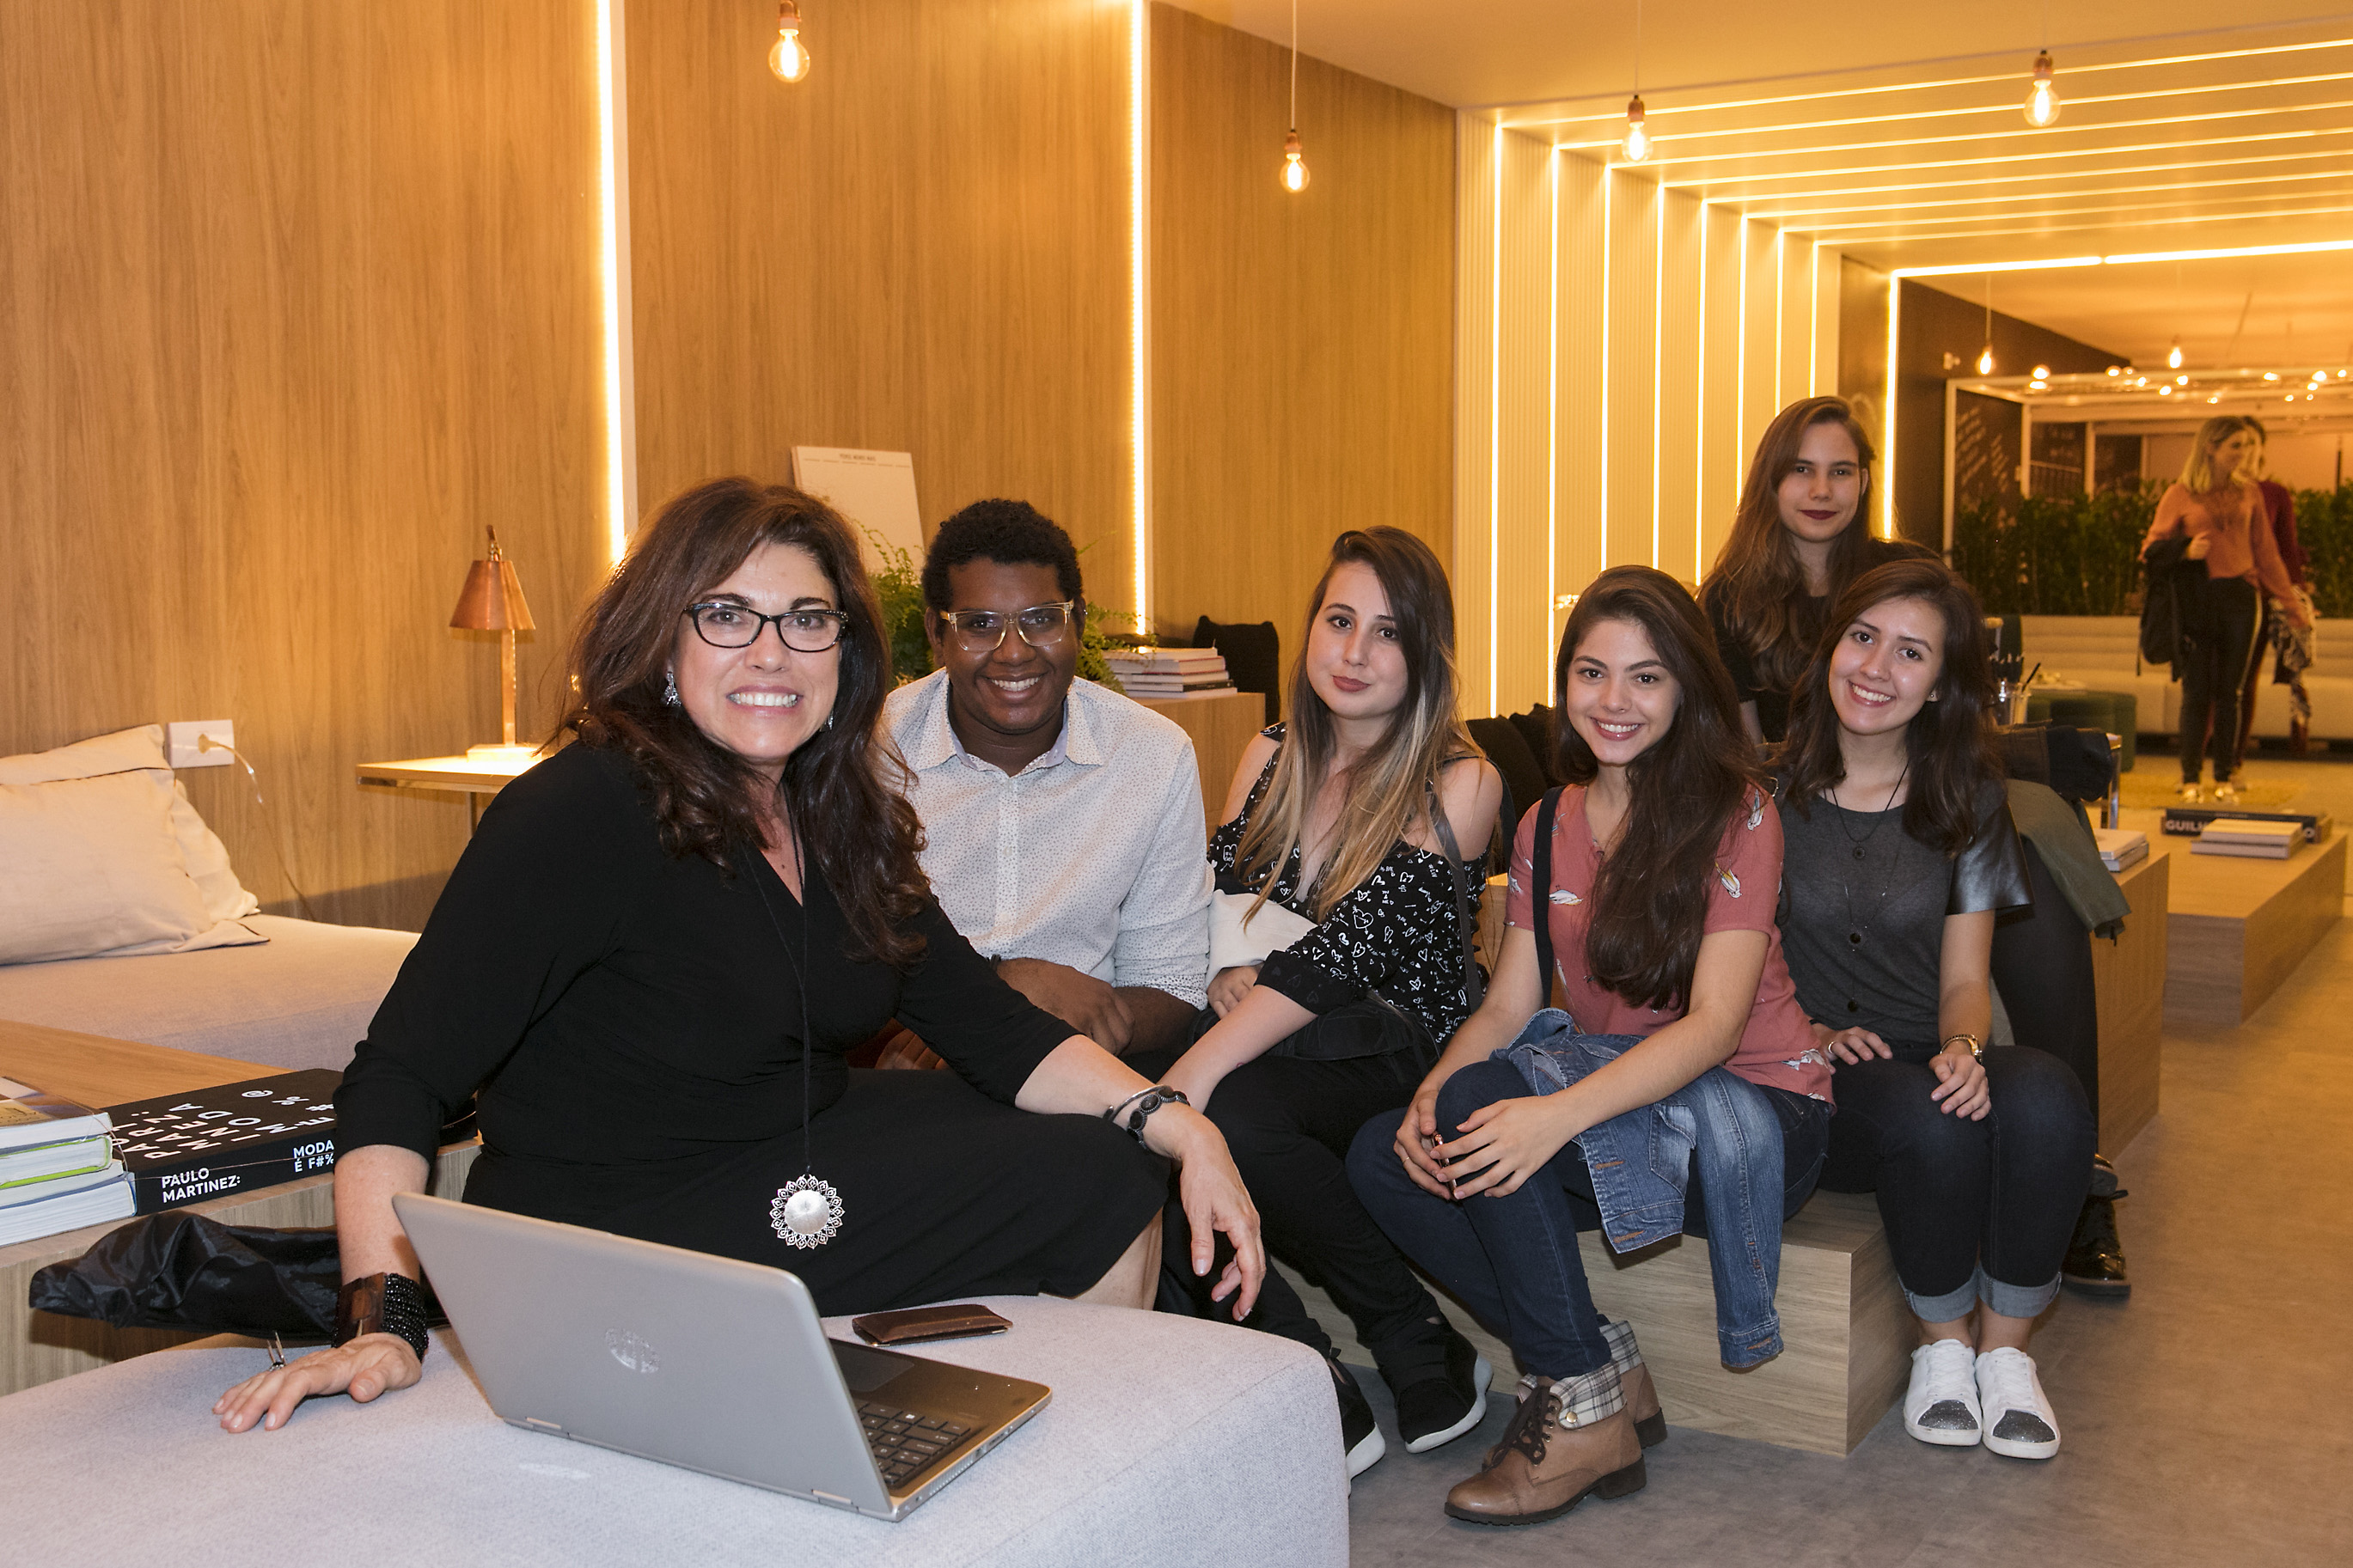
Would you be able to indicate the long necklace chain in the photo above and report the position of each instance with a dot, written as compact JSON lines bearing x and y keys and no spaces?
{"x":805,"y":1212}
{"x":1856,"y":931}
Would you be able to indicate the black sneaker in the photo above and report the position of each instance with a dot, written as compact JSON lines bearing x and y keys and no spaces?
{"x":2095,"y":1263}
{"x":1360,"y":1435}
{"x":1436,"y":1410}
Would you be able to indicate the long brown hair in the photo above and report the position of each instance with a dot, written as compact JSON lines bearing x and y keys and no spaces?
{"x":1947,"y":740}
{"x":853,"y":823}
{"x":1757,"y":586}
{"x":2198,"y":469}
{"x":1650,"y":901}
{"x":1386,"y":791}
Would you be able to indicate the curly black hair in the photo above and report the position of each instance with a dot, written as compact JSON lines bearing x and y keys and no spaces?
{"x":1011,"y":532}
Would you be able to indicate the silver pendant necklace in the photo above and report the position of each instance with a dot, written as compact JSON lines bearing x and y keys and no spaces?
{"x":1856,"y":931}
{"x":805,"y":1212}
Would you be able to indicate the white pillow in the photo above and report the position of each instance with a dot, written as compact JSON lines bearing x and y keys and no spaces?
{"x":105,"y":854}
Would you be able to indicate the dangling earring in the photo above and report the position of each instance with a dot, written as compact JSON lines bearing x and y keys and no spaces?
{"x":670,"y":689}
{"x":829,"y":720}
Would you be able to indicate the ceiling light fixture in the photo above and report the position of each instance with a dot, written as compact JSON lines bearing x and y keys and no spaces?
{"x":2173,"y":360}
{"x":2043,"y":98}
{"x":1985,"y":359}
{"x":1294,"y":171}
{"x":2041,"y":373}
{"x":788,"y":57}
{"x":1637,"y":145}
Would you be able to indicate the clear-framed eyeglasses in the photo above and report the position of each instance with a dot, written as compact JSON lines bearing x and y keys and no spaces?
{"x":724,"y":625}
{"x":982,"y":631}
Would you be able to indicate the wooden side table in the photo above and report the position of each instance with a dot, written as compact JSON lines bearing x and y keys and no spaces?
{"x":38,"y":1347}
{"x":476,"y":778}
{"x":1222,"y":724}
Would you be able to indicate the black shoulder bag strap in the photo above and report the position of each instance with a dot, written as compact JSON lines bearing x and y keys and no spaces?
{"x":1474,"y":989}
{"x":1540,"y":891}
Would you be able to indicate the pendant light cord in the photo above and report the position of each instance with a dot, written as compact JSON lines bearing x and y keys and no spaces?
{"x":1294,"y":66}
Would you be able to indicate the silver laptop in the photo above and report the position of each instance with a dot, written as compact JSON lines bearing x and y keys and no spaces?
{"x":707,"y":1363}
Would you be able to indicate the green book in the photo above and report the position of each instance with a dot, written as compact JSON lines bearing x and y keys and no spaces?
{"x":48,"y":1162}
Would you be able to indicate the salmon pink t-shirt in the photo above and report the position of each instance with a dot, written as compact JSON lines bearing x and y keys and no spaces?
{"x":1776,"y":1045}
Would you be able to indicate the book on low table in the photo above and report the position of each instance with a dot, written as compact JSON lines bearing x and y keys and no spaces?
{"x":2249,"y":838}
{"x":55,"y":1169}
{"x":209,"y":1142}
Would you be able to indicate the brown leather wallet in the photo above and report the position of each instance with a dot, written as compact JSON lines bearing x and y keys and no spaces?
{"x":916,"y":1324}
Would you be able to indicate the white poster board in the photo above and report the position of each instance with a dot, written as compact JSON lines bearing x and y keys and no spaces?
{"x":872,"y":490}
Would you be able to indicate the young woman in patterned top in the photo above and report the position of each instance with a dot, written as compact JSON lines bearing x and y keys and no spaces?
{"x":1683,"y":1069}
{"x":1330,"y":820}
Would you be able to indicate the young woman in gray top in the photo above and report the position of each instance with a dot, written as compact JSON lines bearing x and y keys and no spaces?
{"x":1899,"y":852}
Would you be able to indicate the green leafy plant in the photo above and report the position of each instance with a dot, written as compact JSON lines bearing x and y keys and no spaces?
{"x":899,"y":584}
{"x":2080,"y":555}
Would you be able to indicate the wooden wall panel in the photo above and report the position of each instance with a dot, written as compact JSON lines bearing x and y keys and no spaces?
{"x":294,"y":299}
{"x":922,"y":248}
{"x":1301,"y":349}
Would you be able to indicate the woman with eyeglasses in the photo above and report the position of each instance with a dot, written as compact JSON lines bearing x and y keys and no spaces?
{"x":651,"y":961}
{"x":1339,"y":964}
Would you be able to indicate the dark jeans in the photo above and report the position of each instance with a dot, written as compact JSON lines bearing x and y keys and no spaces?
{"x":1288,"y":1122}
{"x":1974,"y":1209}
{"x":2219,"y":634}
{"x":2043,"y":963}
{"x":1513,"y":1260}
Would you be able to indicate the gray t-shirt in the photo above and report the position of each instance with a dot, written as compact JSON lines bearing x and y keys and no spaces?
{"x":1863,"y":906}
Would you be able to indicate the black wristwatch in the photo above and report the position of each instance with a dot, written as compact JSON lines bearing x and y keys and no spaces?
{"x":1146,"y":1102}
{"x":382,"y":1304}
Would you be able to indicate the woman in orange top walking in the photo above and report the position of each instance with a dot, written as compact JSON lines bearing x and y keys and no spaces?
{"x":2223,"y":517}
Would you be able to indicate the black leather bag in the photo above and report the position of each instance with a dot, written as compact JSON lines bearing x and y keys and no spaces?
{"x":182,"y":1271}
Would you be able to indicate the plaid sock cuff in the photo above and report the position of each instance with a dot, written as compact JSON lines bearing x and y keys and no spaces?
{"x":1624,"y":1354}
{"x":1596,"y":1397}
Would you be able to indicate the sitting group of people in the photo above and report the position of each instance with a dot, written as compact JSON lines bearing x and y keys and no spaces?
{"x":652,"y":966}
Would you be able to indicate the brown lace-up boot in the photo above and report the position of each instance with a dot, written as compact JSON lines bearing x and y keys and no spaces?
{"x":1567,"y":1439}
{"x":1634,"y":1382}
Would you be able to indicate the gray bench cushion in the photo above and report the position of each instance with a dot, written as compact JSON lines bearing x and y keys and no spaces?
{"x":1168,"y":1441}
{"x":302,"y":999}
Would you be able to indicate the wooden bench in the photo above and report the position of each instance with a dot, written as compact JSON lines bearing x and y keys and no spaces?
{"x":40,"y":1347}
{"x":1847,"y":1332}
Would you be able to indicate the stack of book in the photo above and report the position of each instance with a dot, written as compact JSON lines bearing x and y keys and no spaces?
{"x":58,"y":1169}
{"x":2249,"y":838}
{"x":2189,"y":821}
{"x":229,"y":1138}
{"x":1169,"y":671}
{"x":2121,"y":847}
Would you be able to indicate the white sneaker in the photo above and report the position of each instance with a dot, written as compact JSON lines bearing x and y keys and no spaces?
{"x":2020,"y":1423}
{"x":1941,"y":1404}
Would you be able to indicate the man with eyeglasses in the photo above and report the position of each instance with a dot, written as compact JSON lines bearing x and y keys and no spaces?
{"x":1063,"y":823}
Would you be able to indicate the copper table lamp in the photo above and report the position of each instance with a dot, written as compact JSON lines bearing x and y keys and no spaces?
{"x":493,"y":601}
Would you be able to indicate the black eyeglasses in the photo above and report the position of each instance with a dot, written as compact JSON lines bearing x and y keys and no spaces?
{"x":982,"y":631}
{"x":724,"y":624}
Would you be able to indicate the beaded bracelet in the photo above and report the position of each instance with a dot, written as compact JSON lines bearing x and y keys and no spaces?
{"x":382,"y":1304}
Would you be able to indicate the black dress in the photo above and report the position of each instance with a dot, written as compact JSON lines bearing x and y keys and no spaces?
{"x":633,"y":1026}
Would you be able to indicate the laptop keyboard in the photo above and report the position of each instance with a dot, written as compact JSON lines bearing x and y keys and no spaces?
{"x":904,"y":1441}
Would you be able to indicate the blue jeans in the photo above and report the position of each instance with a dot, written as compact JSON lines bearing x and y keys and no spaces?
{"x":1513,"y":1260}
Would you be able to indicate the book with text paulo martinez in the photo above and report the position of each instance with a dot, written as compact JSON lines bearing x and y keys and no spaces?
{"x":232,"y":1139}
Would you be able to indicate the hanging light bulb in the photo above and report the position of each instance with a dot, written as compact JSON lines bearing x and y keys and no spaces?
{"x":2043,"y":98}
{"x":1985,"y":360}
{"x":789,"y":58}
{"x":2173,"y":360}
{"x":1636,"y":145}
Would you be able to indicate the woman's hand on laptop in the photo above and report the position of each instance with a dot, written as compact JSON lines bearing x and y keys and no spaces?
{"x":364,"y":1368}
{"x":1215,"y":1200}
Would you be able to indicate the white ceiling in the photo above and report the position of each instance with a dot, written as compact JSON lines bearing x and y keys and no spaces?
{"x":1910,"y":149}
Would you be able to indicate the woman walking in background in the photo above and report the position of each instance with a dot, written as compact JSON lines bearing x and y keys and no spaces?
{"x":2223,"y":516}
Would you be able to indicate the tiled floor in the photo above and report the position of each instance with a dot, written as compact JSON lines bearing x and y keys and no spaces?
{"x":2208,"y":1420}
